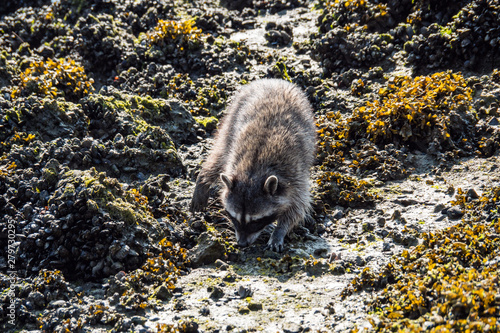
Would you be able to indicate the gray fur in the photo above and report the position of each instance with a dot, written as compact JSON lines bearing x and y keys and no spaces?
{"x":264,"y":149}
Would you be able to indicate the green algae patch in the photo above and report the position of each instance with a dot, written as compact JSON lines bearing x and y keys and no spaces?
{"x":127,"y":212}
{"x":208,"y":123}
{"x":106,"y":195}
{"x":158,"y":117}
{"x":449,"y":282}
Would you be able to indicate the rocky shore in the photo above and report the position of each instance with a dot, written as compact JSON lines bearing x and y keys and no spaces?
{"x":108,"y":109}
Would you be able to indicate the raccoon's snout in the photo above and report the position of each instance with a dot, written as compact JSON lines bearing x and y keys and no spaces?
{"x":244,"y":239}
{"x":243,"y":242}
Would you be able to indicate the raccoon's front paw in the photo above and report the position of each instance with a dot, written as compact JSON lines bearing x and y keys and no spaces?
{"x":275,"y":244}
{"x":200,"y":198}
{"x":198,"y":204}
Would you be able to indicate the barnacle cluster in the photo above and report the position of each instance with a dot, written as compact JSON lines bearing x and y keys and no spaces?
{"x":450,"y":282}
{"x":54,"y":77}
{"x":181,"y":33}
{"x":159,"y":272}
{"x":471,"y":33}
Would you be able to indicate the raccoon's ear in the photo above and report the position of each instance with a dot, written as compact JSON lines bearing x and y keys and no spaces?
{"x":271,"y":184}
{"x":225,"y":179}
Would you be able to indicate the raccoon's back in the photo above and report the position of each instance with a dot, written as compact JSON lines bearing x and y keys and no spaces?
{"x":273,"y":131}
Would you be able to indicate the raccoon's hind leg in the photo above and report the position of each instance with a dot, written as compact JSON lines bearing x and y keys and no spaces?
{"x":286,"y":222}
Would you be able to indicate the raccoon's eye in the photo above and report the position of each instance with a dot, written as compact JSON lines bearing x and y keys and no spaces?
{"x":261,"y":223}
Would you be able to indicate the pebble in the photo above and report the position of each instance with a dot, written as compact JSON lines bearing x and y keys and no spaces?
{"x":292,"y":328}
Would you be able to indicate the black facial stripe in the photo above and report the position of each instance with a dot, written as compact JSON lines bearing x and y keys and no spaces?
{"x":259,"y":224}
{"x":252,"y":226}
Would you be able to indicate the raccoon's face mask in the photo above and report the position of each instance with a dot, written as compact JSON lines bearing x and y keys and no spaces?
{"x":251,"y":207}
{"x":247,"y":229}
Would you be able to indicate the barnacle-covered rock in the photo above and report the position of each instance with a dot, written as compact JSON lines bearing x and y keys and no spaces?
{"x":471,"y":34}
{"x":92,"y":227}
{"x":208,"y":250}
{"x":452,"y":275}
{"x":334,"y":188}
{"x":133,"y":115}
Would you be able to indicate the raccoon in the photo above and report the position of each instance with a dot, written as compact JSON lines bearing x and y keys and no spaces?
{"x":263,"y":152}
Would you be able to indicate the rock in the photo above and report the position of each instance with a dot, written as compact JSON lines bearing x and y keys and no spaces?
{"x":367,"y":227}
{"x":37,"y":299}
{"x":396,"y":215}
{"x":221,"y":265}
{"x":216,"y":292}
{"x":454,"y":213}
{"x":494,"y":122}
{"x":360,"y":261}
{"x":245,"y":291}
{"x":292,"y":328}
{"x":255,"y":306}
{"x":204,"y":311}
{"x":438,"y":208}
{"x":243,"y":310}
{"x":472,"y":194}
{"x":207,"y":251}
{"x":162,"y":293}
{"x":338,"y":214}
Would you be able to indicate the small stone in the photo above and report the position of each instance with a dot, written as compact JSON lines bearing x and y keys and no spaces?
{"x":438,"y":208}
{"x":494,"y":122}
{"x":204,"y":311}
{"x":216,"y":293}
{"x":292,"y":328}
{"x":386,"y":247}
{"x":453,"y":213}
{"x":472,"y":194}
{"x":244,"y":310}
{"x":381,"y":222}
{"x":367,"y":227}
{"x":360,"y":261}
{"x":338,"y":214}
{"x":450,"y":190}
{"x":245,"y":291}
{"x":221,"y":265}
{"x":330,"y":307}
{"x":396,"y":215}
{"x":255,"y":306}
{"x":162,"y":293}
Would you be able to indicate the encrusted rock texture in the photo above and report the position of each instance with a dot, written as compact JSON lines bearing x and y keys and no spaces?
{"x":108,"y":109}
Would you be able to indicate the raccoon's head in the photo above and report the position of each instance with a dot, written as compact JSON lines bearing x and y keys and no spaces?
{"x":252,"y":205}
